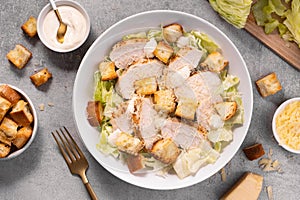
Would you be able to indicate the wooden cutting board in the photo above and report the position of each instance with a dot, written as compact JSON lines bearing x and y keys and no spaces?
{"x":289,"y":51}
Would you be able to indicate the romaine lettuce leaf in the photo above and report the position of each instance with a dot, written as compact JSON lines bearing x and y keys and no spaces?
{"x":103,"y":145}
{"x":189,"y":162}
{"x":292,"y":21}
{"x":204,"y":41}
{"x":135,"y":35}
{"x":106,"y":94}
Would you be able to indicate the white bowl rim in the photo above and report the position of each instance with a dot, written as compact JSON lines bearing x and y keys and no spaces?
{"x":35,"y":124}
{"x":246,"y":124}
{"x":47,"y":8}
{"x":278,"y":110}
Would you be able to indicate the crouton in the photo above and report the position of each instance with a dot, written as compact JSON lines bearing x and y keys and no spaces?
{"x":135,"y":163}
{"x":4,"y":107}
{"x":214,"y":62}
{"x":254,"y":151}
{"x":19,"y":56}
{"x":21,"y":113}
{"x":94,"y":111}
{"x":226,"y":109}
{"x":4,"y":139}
{"x":129,"y":144}
{"x":29,"y":27}
{"x":9,"y":127}
{"x":268,"y":85}
{"x":41,"y":77}
{"x":165,"y":100}
{"x":22,"y":136}
{"x":186,"y":109}
{"x":163,"y":51}
{"x":145,"y":86}
{"x":4,"y":150}
{"x":165,"y":150}
{"x":107,"y":70}
{"x":10,"y":94}
{"x":172,"y":32}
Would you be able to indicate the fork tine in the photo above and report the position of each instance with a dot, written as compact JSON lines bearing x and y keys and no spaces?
{"x":75,"y":144}
{"x":67,"y":159}
{"x":71,"y":143}
{"x":66,"y":145}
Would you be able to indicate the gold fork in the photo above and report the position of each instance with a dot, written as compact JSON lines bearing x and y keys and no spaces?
{"x":74,"y":157}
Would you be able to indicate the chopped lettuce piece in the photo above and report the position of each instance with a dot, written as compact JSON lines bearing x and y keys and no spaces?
{"x":289,"y":30}
{"x":205,"y":42}
{"x":220,"y":135}
{"x":230,"y":81}
{"x":277,"y":7}
{"x":233,"y":11}
{"x":189,"y":162}
{"x":153,"y":163}
{"x":135,"y":35}
{"x":103,"y":145}
{"x":293,"y":20}
{"x":156,"y":34}
{"x":106,"y":94}
{"x":261,"y":17}
{"x":271,"y":26}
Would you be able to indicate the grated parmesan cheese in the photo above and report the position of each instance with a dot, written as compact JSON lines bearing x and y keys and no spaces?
{"x":288,"y":125}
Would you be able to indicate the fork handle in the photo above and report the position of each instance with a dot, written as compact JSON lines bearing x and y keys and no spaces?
{"x":91,"y":191}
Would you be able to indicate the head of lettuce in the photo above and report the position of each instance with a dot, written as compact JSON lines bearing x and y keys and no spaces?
{"x":233,"y":11}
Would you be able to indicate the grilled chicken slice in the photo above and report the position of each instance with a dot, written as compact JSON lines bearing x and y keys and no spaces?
{"x":138,"y":71}
{"x":122,"y":118}
{"x":180,"y":67}
{"x":185,"y":136}
{"x":147,"y":121}
{"x":186,"y":56}
{"x":125,"y":52}
{"x":202,"y":87}
{"x":205,"y":86}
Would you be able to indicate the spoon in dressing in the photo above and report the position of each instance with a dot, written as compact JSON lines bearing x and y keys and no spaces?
{"x":62,"y":29}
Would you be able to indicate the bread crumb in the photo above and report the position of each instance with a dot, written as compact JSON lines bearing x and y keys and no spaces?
{"x":223,"y":175}
{"x":42,"y":107}
{"x":50,"y":104}
{"x":270,"y":192}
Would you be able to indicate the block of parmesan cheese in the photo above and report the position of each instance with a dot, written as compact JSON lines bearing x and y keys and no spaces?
{"x":247,"y":188}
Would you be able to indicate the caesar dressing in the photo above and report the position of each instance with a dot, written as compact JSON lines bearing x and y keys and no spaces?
{"x":76,"y":31}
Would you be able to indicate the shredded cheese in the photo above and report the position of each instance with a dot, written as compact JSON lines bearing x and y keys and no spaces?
{"x":288,"y":125}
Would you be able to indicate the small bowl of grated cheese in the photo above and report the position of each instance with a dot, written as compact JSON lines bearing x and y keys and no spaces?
{"x":286,"y":125}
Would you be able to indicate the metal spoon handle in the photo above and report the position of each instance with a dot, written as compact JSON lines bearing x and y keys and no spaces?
{"x":53,"y":4}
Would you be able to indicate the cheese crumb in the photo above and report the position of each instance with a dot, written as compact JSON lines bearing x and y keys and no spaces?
{"x":42,"y":107}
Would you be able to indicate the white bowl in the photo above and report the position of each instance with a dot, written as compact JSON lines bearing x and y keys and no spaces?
{"x":34,"y":124}
{"x":278,"y":110}
{"x":84,"y":88}
{"x":56,"y":46}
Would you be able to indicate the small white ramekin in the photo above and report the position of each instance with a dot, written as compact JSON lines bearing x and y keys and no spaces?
{"x":49,"y":8}
{"x":279,"y":109}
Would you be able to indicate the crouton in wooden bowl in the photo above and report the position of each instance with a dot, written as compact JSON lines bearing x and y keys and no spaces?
{"x":18,"y":122}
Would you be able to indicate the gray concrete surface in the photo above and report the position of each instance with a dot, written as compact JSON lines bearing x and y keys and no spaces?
{"x":40,"y":173}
